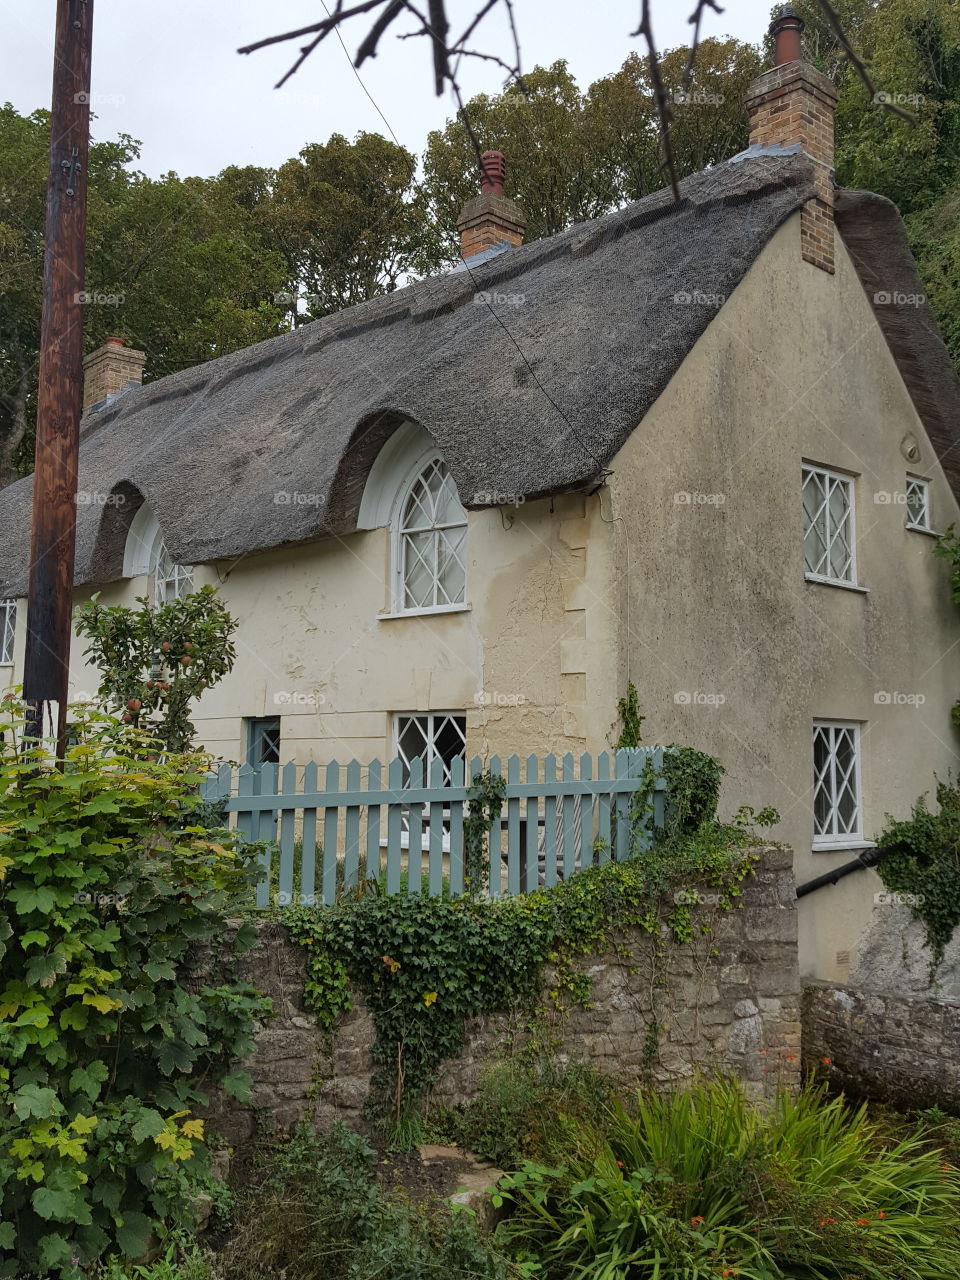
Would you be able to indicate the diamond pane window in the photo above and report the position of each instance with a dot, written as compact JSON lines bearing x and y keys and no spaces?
{"x":828,"y":534}
{"x":431,"y":555}
{"x":170,"y":581}
{"x":8,"y":630}
{"x":836,"y":782}
{"x":918,"y":503}
{"x":441,"y":736}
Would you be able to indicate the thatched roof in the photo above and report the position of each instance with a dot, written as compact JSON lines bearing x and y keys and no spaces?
{"x":530,"y":394}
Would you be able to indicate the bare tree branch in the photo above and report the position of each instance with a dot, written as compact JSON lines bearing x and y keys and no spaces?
{"x":664,"y":110}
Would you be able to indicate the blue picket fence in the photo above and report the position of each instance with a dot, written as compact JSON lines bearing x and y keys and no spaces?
{"x":393,"y":825}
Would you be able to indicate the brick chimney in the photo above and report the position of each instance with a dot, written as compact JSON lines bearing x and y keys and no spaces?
{"x":490,"y":217}
{"x":795,"y":103}
{"x":111,"y":368}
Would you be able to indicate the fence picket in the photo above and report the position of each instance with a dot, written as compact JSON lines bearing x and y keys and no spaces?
{"x":308,"y":836}
{"x":288,"y":818}
{"x":513,"y":827}
{"x":435,"y":823}
{"x":415,"y":831}
{"x":550,"y":805}
{"x":351,"y":830}
{"x":495,"y":839}
{"x":373,"y":823}
{"x":586,"y":814}
{"x":531,"y":863}
{"x":331,"y":814}
{"x":456,"y":828}
{"x":569,"y":825}
{"x":394,"y":825}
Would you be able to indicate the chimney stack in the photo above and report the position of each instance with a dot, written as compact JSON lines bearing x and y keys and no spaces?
{"x":110,"y":369}
{"x":490,"y":217}
{"x":795,"y":103}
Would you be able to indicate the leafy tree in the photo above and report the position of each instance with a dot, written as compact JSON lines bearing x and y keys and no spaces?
{"x":155,"y":661}
{"x":348,"y":222}
{"x":574,"y":155}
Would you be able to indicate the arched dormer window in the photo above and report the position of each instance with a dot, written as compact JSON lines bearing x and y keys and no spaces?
{"x":430,"y":541}
{"x":146,"y":553}
{"x":411,"y":490}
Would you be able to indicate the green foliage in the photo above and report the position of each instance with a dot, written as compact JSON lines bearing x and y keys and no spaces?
{"x":523,"y":1110}
{"x":924,"y":863}
{"x":426,"y":964}
{"x":316,"y":1213}
{"x":693,"y":789}
{"x":108,"y":1033}
{"x":631,"y":720}
{"x":154,"y":661}
{"x":948,"y":548}
{"x":485,"y":801}
{"x":701,"y":1183}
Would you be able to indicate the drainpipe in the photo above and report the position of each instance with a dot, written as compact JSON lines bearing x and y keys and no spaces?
{"x":866,"y":858}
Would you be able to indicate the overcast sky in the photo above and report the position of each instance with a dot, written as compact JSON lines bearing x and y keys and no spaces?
{"x":167,"y":71}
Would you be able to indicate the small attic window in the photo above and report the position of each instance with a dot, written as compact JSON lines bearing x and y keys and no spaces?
{"x":146,"y":554}
{"x":918,"y":504}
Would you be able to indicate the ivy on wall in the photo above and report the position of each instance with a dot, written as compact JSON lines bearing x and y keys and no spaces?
{"x":425,"y":965}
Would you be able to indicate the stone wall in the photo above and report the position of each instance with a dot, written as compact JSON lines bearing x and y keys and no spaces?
{"x":901,"y":1049}
{"x":730,"y":999}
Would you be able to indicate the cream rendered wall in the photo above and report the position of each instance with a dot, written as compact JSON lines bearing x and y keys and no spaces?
{"x":713,"y":597}
{"x":313,"y":648}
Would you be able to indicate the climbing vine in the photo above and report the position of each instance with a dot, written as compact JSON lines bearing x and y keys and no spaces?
{"x":948,"y":548}
{"x":484,"y":803}
{"x":424,"y":965}
{"x":628,"y":709}
{"x":923,"y":864}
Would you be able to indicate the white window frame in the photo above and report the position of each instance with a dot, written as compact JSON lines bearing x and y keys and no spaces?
{"x":8,"y":631}
{"x":179,"y":576}
{"x":144,"y":552}
{"x":399,"y":536}
{"x":832,"y":479}
{"x":431,"y":717}
{"x":834,"y":838}
{"x":919,"y":485}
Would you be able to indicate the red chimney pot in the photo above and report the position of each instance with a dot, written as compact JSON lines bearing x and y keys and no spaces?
{"x":786,"y":30}
{"x":493,"y":173}
{"x":114,"y":341}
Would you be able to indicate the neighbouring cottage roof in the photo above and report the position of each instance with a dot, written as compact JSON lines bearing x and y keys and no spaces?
{"x":530,"y":395}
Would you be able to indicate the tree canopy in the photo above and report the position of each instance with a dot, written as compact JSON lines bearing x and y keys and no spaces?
{"x":192,"y":268}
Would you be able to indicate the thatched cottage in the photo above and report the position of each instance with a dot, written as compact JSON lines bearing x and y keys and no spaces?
{"x":701,"y":446}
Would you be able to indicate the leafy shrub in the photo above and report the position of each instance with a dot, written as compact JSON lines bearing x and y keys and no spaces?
{"x":925,"y":862}
{"x":318,"y":1213}
{"x":693,"y":789}
{"x":700,"y":1183}
{"x":522,"y":1110}
{"x":108,"y":1033}
{"x":154,"y":661}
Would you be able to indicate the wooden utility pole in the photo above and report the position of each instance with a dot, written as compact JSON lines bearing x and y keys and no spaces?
{"x":53,"y":541}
